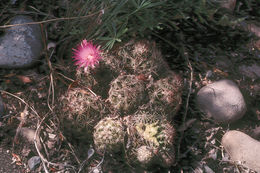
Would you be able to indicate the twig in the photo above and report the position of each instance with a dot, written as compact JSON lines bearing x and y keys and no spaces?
{"x":66,"y":77}
{"x":34,"y":111}
{"x":84,"y":162}
{"x":37,"y":130}
{"x":73,"y":152}
{"x":98,"y":163}
{"x":23,"y":117}
{"x":186,"y":106}
{"x":51,"y":92}
{"x":45,"y":148}
{"x":70,"y":146}
{"x":51,"y":87}
{"x":37,"y":149}
{"x":92,"y":92}
{"x":50,"y":20}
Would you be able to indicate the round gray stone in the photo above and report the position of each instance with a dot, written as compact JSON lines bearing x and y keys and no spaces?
{"x":242,"y":149}
{"x":20,"y":46}
{"x":222,"y":101}
{"x":33,"y":162}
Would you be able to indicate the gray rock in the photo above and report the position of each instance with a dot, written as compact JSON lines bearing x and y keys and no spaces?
{"x":20,"y":46}
{"x":242,"y":149}
{"x":222,"y":101}
{"x":33,"y":162}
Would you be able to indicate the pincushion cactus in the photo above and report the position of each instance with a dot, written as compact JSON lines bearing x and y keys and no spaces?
{"x":126,"y":93}
{"x":153,"y":130}
{"x":167,"y":92}
{"x":83,"y":107}
{"x":109,"y":135}
{"x":142,"y":57}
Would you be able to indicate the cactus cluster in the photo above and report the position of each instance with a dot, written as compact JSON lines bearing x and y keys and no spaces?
{"x":140,"y":92}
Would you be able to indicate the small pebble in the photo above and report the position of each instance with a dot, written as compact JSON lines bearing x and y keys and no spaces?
{"x":34,"y":162}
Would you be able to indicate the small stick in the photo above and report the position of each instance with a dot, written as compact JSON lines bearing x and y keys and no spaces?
{"x":38,"y":151}
{"x":186,"y":106}
{"x":21,"y":101}
{"x":50,"y":20}
{"x":51,"y":87}
{"x":35,"y":144}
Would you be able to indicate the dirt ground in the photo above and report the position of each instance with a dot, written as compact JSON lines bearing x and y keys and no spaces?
{"x":7,"y":164}
{"x":31,"y":103}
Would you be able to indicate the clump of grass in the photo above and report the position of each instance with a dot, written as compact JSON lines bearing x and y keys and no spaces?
{"x":109,"y":22}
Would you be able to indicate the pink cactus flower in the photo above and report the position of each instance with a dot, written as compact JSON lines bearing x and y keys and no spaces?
{"x":86,"y":55}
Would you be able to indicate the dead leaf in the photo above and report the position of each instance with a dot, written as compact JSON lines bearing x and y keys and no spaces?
{"x":8,"y":81}
{"x":73,"y":85}
{"x":24,"y":114}
{"x":24,"y":79}
{"x":16,"y":158}
{"x":10,"y":75}
{"x":19,"y":163}
{"x":142,"y":77}
{"x":53,"y":169}
{"x":216,"y":70}
{"x":61,"y":137}
{"x":84,"y":91}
